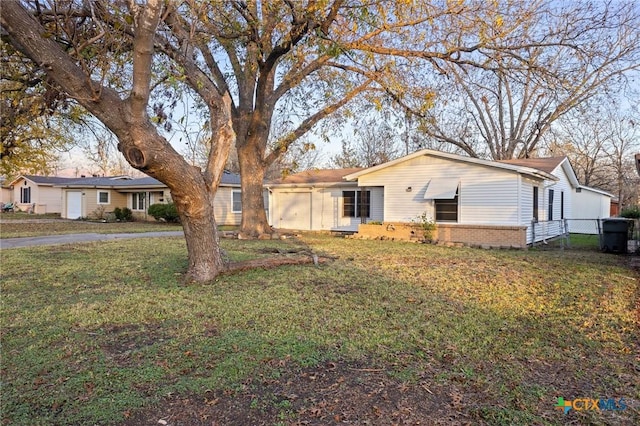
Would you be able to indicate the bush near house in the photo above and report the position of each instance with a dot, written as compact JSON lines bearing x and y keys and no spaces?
{"x":164,"y":212}
{"x":123,"y":215}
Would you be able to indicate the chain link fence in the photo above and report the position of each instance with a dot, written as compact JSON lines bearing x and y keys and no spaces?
{"x":586,"y":234}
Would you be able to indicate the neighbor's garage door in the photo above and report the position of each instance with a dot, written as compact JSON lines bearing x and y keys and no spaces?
{"x":74,"y":205}
{"x":294,"y":210}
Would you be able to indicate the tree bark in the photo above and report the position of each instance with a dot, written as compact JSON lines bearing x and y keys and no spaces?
{"x":143,"y":147}
{"x":252,"y":170}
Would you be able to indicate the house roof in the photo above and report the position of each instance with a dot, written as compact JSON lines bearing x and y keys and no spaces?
{"x":124,"y":182}
{"x":547,"y":164}
{"x":43,"y":180}
{"x":320,"y":176}
{"x":531,"y":171}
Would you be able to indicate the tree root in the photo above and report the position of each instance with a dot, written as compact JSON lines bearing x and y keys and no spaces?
{"x":274,"y":262}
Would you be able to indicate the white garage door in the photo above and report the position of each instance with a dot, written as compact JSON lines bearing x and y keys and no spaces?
{"x":74,"y":205}
{"x":294,"y":210}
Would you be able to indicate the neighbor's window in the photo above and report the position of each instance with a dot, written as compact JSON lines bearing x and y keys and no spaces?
{"x":236,"y":201}
{"x":550,"y":215}
{"x":356,"y":203}
{"x":562,"y":205}
{"x":446,"y":209}
{"x":138,"y":200}
{"x":535,"y":203}
{"x":25,"y":195}
{"x":103,"y":197}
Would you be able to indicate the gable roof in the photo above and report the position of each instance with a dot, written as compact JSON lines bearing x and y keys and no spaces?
{"x":548,"y":164}
{"x":43,"y":180}
{"x":115,"y":182}
{"x":319,"y":176}
{"x":531,"y":171}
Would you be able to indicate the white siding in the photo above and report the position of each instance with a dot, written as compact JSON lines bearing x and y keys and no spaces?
{"x":561,"y":186}
{"x":319,"y":208}
{"x":590,"y":205}
{"x":486,"y":195}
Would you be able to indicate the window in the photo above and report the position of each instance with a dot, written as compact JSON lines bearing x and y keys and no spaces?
{"x":356,"y":203}
{"x":138,"y":200}
{"x":103,"y":197}
{"x":562,"y":205}
{"x":25,"y":195}
{"x":550,"y":215}
{"x":236,"y":201}
{"x":446,"y":209}
{"x":535,"y":203}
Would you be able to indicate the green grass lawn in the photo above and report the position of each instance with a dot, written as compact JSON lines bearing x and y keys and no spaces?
{"x":93,"y":333}
{"x":23,"y":225}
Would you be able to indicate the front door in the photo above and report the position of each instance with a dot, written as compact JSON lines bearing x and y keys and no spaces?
{"x":74,"y":205}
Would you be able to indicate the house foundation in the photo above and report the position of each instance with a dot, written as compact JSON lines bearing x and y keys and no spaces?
{"x":450,"y":233}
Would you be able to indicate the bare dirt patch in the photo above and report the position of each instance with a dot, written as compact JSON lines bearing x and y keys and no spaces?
{"x":331,"y":393}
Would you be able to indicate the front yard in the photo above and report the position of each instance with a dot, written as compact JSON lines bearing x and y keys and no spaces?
{"x":16,"y":225}
{"x":387,"y":333}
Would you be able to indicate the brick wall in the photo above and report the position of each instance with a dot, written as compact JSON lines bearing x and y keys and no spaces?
{"x":473,"y":235}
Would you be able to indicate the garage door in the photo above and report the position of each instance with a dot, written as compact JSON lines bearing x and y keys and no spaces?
{"x":74,"y":205}
{"x":294,"y":210}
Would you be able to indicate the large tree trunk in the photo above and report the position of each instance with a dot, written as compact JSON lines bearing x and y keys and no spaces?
{"x":252,"y":170}
{"x":199,"y":224}
{"x":193,"y":196}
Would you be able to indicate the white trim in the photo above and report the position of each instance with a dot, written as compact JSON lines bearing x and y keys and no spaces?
{"x":597,"y":191}
{"x":519,"y":169}
{"x":236,"y":191}
{"x":98,"y":192}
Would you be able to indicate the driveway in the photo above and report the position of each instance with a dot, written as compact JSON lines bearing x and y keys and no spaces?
{"x":9,"y":243}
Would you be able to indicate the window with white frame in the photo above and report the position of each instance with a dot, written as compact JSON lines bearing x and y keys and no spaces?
{"x":25,"y":195}
{"x":236,"y":201}
{"x":138,"y":201}
{"x":104,"y":197}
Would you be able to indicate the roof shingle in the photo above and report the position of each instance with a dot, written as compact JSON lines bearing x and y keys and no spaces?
{"x":315,"y":176}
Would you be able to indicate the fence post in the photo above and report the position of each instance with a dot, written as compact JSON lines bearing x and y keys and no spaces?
{"x":533,"y":232}
{"x":599,"y":234}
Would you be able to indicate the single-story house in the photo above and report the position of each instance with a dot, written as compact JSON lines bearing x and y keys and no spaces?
{"x":472,"y":201}
{"x":83,"y":197}
{"x":38,"y":194}
{"x":322,"y":200}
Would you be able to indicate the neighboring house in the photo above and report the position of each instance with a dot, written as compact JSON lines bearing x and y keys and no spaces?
{"x":322,"y":200}
{"x":84,"y":197}
{"x":473,"y":201}
{"x":38,"y":194}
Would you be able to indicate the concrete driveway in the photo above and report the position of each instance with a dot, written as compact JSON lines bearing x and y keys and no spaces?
{"x":9,"y":243}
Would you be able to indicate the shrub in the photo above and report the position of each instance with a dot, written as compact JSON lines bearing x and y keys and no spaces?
{"x":427,"y":224}
{"x":631,"y":212}
{"x":164,"y":212}
{"x":99,"y":213}
{"x":123,"y":215}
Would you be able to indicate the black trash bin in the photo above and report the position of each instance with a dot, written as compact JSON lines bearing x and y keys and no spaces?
{"x":615,"y":235}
